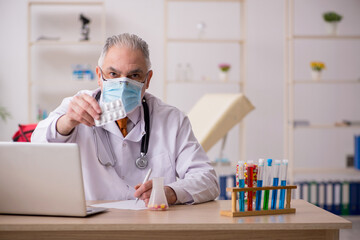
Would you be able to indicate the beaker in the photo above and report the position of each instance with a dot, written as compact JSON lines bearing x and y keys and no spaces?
{"x":157,"y":198}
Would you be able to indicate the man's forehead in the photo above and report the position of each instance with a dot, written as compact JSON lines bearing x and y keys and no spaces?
{"x":125,"y":55}
{"x":125,"y":50}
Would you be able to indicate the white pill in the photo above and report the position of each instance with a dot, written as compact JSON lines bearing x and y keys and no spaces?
{"x":118,"y":103}
{"x":106,"y":106}
{"x":108,"y":116}
{"x":112,"y":105}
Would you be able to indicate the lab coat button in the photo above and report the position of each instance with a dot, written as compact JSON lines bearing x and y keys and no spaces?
{"x":124,"y":144}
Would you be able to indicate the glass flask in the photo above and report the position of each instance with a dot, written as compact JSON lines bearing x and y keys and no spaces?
{"x":157,"y":198}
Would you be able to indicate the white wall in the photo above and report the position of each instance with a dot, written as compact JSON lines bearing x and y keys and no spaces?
{"x":264,"y":73}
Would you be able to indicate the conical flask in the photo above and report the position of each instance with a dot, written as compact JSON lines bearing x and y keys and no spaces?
{"x":157,"y":198}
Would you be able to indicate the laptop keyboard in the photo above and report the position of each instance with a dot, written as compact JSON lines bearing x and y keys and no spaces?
{"x":89,"y":210}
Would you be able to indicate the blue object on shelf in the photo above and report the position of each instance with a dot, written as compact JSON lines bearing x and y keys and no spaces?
{"x":357,"y":152}
{"x":222,"y":188}
{"x":353,"y":198}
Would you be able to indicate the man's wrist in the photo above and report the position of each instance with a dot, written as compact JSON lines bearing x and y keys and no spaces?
{"x":170,"y":195}
{"x":64,"y":126}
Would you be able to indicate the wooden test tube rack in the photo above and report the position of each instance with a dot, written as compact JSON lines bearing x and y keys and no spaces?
{"x":234,"y":213}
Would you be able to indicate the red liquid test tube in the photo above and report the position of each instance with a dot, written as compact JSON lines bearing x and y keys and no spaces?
{"x":250,"y":171}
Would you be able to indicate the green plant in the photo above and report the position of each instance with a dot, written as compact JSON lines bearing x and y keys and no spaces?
{"x":317,"y":66}
{"x":332,"y":17}
{"x":4,"y":114}
{"x":224,"y":67}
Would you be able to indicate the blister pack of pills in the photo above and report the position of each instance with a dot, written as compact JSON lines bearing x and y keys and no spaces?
{"x":111,"y":111}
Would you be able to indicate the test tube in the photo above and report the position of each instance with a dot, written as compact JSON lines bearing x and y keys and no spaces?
{"x":260,"y":177}
{"x":276,"y":171}
{"x":241,"y":185}
{"x":268,"y":183}
{"x":250,"y":172}
{"x":284,"y":168}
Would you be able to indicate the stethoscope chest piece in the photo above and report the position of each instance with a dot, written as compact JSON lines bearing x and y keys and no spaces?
{"x":142,"y":161}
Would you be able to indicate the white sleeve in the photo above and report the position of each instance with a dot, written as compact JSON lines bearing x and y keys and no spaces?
{"x":46,"y":129}
{"x":198,"y":181}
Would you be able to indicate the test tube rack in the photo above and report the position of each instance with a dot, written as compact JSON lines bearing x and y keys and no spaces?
{"x":234,"y":213}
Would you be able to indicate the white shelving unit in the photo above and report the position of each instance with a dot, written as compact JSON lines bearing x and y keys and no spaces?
{"x":241,"y":42}
{"x":34,"y":45}
{"x":289,"y":97}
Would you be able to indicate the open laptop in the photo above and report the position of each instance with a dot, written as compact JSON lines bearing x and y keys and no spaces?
{"x":42,"y":179}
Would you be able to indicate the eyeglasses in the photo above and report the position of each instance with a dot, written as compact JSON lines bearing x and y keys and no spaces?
{"x":135,"y":75}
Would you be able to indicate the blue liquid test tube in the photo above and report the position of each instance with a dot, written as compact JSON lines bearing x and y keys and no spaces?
{"x":276,"y":169}
{"x":241,"y":168}
{"x":284,"y":168}
{"x":260,"y":177}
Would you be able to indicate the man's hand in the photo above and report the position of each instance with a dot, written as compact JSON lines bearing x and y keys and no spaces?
{"x":82,"y":109}
{"x":143,"y":192}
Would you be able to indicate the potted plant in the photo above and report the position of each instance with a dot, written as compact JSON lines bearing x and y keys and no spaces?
{"x":332,"y":19}
{"x":224,"y":69}
{"x":4,"y":114}
{"x":316,"y":69}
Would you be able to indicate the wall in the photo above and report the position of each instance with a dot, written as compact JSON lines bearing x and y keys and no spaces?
{"x":143,"y":17}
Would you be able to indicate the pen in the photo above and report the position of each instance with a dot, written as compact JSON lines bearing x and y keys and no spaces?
{"x":284,"y":167}
{"x":260,"y":177}
{"x":276,"y":169}
{"x":267,"y":183}
{"x":145,"y":180}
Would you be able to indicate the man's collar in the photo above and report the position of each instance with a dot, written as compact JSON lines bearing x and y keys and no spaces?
{"x":134,"y":116}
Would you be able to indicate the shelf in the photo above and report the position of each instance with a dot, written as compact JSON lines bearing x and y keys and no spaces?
{"x":325,"y":82}
{"x":65,"y":43}
{"x":189,"y":40}
{"x":205,"y":82}
{"x":65,"y":3}
{"x":195,"y":40}
{"x":344,"y":37}
{"x":324,"y":126}
{"x":58,"y":88}
{"x":316,"y":171}
{"x":204,"y":0}
{"x":68,"y":85}
{"x":292,"y":52}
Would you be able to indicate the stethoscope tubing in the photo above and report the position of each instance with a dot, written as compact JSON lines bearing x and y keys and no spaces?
{"x":144,"y":140}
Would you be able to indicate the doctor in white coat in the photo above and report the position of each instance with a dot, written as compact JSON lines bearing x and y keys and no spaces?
{"x":109,"y":152}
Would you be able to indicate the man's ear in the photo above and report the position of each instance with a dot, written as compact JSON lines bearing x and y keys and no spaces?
{"x":98,"y":74}
{"x":149,"y":78}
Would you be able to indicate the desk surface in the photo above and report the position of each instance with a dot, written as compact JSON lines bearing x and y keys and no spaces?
{"x":204,"y":216}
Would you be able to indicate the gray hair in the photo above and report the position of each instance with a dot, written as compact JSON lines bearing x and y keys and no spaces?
{"x":127,"y":40}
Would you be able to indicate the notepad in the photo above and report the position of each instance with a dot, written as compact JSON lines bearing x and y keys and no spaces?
{"x":127,"y":204}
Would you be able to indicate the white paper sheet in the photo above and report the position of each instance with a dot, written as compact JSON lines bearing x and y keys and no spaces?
{"x":128,"y":204}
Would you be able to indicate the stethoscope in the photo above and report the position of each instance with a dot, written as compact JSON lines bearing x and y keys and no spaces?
{"x":141,"y":162}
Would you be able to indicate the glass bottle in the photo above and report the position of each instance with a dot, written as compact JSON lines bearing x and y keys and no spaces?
{"x":157,"y":198}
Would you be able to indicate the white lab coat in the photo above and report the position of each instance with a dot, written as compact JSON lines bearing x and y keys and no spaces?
{"x":173,"y":152}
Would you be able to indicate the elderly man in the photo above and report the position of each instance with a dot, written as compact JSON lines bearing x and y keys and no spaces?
{"x":111,"y":163}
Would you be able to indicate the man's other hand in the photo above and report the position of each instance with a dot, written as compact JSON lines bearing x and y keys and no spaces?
{"x":143,"y":192}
